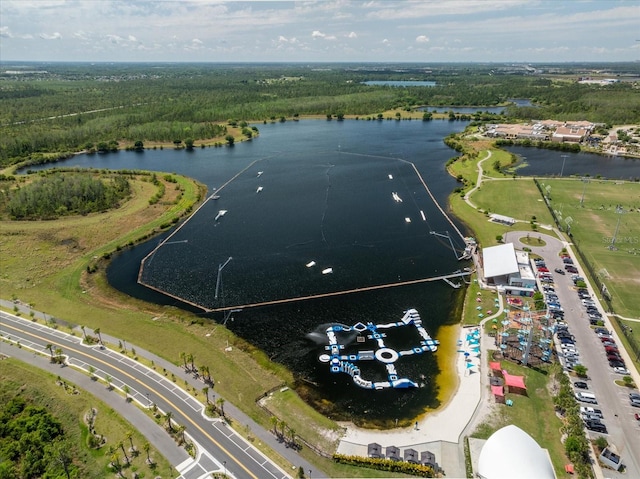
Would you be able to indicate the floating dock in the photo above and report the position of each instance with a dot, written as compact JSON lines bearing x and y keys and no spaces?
{"x":346,"y":363}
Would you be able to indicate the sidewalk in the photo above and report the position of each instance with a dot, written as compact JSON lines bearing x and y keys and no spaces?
{"x":440,"y":432}
{"x":261,"y":434}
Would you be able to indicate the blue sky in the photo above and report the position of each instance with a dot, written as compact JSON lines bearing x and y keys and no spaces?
{"x":320,"y":31}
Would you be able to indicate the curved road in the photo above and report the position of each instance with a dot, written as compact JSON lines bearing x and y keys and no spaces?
{"x":220,"y":449}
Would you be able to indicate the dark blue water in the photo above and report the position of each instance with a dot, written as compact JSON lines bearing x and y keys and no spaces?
{"x":326,"y":197}
{"x":541,"y":162}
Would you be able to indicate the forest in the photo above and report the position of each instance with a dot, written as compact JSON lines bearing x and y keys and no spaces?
{"x":65,"y":108}
{"x":32,"y":443}
{"x":60,"y":194}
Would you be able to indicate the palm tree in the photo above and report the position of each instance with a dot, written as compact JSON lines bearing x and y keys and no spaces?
{"x":84,"y":333}
{"x":274,"y":423}
{"x":92,"y":372}
{"x":183,"y":356}
{"x":205,"y":391}
{"x":49,"y":346}
{"x":147,"y":447}
{"x":181,"y":430}
{"x":124,"y":451}
{"x":168,"y":416}
{"x":129,"y":436}
{"x":220,"y":403}
{"x":190,"y":357}
{"x":97,"y":331}
{"x":58,"y":354}
{"x":292,"y":435}
{"x":126,"y":391}
{"x":108,"y":379}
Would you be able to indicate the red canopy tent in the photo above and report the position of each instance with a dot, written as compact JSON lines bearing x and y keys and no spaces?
{"x":497,"y":391}
{"x":513,"y":381}
{"x":495,"y":366}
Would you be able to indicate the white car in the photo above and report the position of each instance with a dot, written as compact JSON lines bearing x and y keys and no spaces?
{"x":620,"y":370}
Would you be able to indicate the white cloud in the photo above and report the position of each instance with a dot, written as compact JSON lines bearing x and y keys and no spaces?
{"x":197,"y":41}
{"x":352,"y":35}
{"x":115,"y":39}
{"x":422,"y":39}
{"x":5,"y":32}
{"x":386,"y":42}
{"x":54,"y":36}
{"x":131,"y":38}
{"x":318,"y":34}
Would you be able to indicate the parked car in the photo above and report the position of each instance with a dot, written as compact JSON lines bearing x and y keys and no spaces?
{"x":621,"y":370}
{"x":581,"y":385}
{"x":601,"y":331}
{"x":635,"y":402}
{"x":559,"y":271}
{"x":617,"y":366}
{"x":596,"y":426}
{"x":591,"y":410}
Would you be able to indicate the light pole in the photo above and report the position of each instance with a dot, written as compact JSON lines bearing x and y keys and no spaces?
{"x":619,"y":210}
{"x":585,"y":181}
{"x":220,"y":268}
{"x":564,"y":158}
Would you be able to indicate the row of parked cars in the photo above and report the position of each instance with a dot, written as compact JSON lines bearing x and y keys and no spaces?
{"x":590,"y":306}
{"x":592,"y":417}
{"x":611,"y":350}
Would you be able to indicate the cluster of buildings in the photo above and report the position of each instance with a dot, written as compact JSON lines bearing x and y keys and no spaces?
{"x":546,"y":130}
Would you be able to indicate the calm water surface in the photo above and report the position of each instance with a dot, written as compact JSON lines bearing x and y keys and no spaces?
{"x":326,"y":197}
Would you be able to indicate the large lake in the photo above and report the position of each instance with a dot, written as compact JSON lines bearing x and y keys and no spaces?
{"x":317,"y":191}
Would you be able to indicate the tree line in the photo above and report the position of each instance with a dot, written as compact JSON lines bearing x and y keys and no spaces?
{"x":74,"y":105}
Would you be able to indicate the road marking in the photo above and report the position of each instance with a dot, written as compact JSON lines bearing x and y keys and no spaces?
{"x":196,"y":425}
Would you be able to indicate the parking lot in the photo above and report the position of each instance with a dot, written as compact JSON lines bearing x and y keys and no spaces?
{"x":613,"y":412}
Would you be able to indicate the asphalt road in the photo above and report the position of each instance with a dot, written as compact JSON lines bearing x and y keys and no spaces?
{"x":623,"y":431}
{"x":220,"y":449}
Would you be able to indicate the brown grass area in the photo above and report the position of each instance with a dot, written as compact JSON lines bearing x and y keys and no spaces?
{"x":31,"y":251}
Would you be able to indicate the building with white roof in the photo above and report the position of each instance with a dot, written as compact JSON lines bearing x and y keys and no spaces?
{"x":508,"y":269}
{"x":511,"y":453}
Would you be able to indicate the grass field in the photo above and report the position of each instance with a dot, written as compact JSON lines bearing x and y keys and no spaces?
{"x":519,"y":199}
{"x":39,"y":388}
{"x":533,"y":413}
{"x":593,"y":225}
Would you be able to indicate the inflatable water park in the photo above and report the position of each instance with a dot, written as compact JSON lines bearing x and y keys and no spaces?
{"x":346,"y":363}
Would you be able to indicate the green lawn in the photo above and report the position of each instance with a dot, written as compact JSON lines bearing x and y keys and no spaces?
{"x":533,"y":413}
{"x":518,"y":198}
{"x":593,"y":225}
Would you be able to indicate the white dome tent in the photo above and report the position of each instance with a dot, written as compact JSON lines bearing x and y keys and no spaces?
{"x":510,"y":453}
